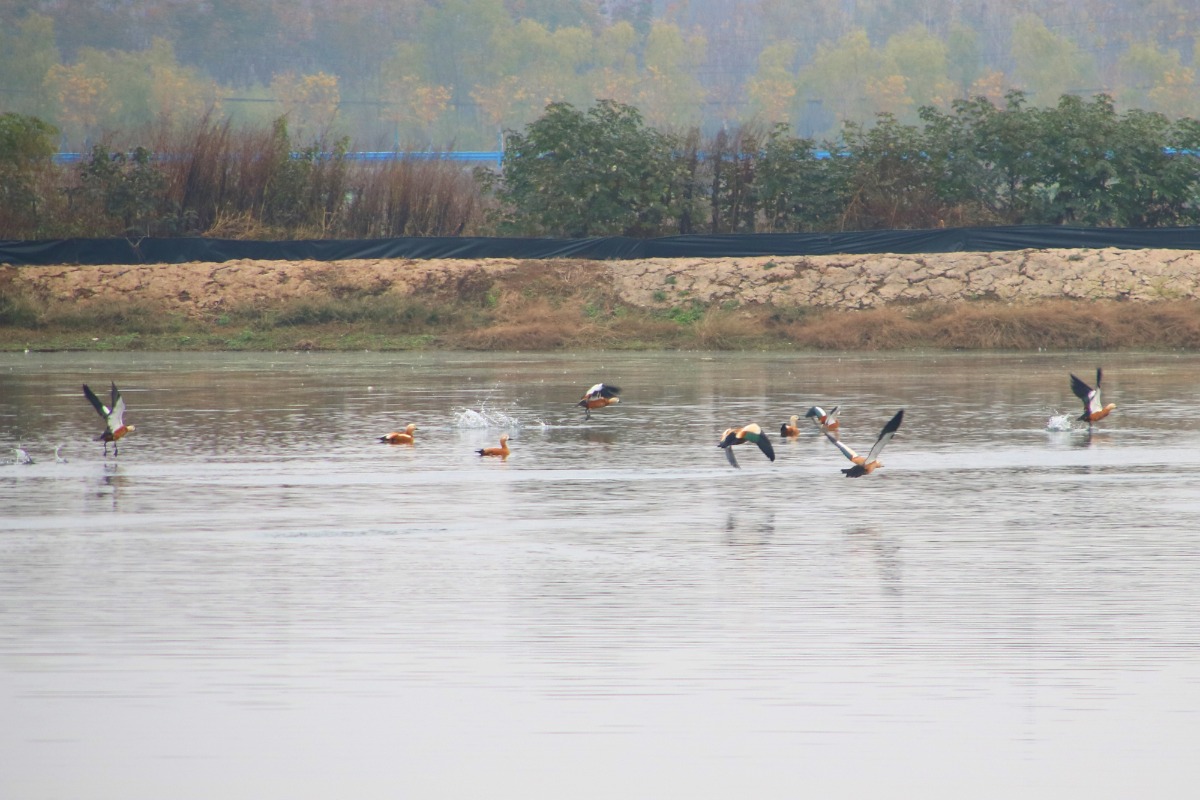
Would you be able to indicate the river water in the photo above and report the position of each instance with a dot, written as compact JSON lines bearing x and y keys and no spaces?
{"x":257,"y":599}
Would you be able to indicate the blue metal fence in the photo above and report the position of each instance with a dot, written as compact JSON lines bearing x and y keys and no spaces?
{"x":467,"y":156}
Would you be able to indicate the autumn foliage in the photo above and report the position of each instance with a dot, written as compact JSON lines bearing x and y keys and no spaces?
{"x":604,"y":171}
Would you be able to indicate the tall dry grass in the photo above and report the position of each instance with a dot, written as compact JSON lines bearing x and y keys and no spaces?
{"x":217,"y":180}
{"x":411,"y":197}
{"x":246,"y":185}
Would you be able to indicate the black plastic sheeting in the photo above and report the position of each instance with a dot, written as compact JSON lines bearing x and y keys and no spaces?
{"x":946,"y":240}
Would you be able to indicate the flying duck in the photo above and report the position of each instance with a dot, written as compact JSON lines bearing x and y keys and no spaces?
{"x":501,"y":451}
{"x":750,"y":433}
{"x":828,"y":423}
{"x":114,"y":417}
{"x":400,"y":437}
{"x":1093,"y":409}
{"x":599,"y":396}
{"x":865,"y":466}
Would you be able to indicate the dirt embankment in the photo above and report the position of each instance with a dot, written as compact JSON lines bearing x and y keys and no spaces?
{"x":1059,"y":299}
{"x":201,"y":290}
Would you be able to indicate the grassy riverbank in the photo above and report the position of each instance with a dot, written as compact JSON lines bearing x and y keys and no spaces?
{"x":557,"y":316}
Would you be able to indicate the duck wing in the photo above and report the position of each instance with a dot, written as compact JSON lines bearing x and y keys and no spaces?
{"x":1089,"y":396}
{"x":840,"y":445}
{"x":763,"y":443}
{"x":731,"y":458}
{"x":101,"y":409}
{"x":753,"y":433}
{"x":885,"y":436}
{"x":602,"y":390}
{"x":116,"y":417}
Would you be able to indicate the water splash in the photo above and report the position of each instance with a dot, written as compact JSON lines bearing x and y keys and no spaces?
{"x":1059,"y":422}
{"x":20,"y":457}
{"x":486,"y":418}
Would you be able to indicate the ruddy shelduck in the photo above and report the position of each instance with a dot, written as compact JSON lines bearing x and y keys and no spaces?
{"x":865,"y":465}
{"x":1093,"y":409}
{"x":791,"y":428}
{"x":502,"y":451}
{"x":751,"y":433}
{"x":599,"y":396}
{"x":400,"y":437}
{"x":827,"y":423}
{"x":114,"y":417}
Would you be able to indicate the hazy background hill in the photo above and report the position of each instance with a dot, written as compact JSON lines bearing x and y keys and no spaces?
{"x":456,"y":73}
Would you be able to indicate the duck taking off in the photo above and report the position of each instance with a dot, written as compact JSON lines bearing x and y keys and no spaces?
{"x":827,"y":423}
{"x":400,"y":437}
{"x":114,"y":417}
{"x":868,"y":464}
{"x":599,"y":396}
{"x":1093,"y":409}
{"x":502,"y":451}
{"x":750,"y":433}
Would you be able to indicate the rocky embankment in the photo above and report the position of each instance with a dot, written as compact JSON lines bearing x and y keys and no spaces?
{"x":841,"y":281}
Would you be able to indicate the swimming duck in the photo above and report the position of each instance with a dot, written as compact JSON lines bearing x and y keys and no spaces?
{"x":599,"y":396}
{"x":827,"y":423}
{"x":1093,"y":410}
{"x":114,"y":417}
{"x":400,"y":437}
{"x":870,"y":463}
{"x":791,"y":428}
{"x":750,"y":433}
{"x":501,"y":451}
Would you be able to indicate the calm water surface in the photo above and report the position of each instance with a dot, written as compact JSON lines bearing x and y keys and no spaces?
{"x":259,"y":600}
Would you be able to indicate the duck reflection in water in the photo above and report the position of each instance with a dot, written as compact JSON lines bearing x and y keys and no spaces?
{"x":598,"y":436}
{"x":742,"y":530}
{"x":884,"y":551}
{"x":1090,"y":438}
{"x":111,"y":484}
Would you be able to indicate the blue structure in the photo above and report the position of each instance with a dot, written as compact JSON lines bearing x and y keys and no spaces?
{"x":466,"y":156}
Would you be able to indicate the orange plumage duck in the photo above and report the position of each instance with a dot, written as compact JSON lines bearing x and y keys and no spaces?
{"x":113,"y":415}
{"x":1093,"y":409}
{"x":750,"y":433}
{"x":827,"y":423}
{"x":401,"y":437}
{"x":502,"y":451}
{"x":599,"y":396}
{"x":865,"y":465}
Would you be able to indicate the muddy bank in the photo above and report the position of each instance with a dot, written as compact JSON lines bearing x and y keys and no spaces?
{"x":839,"y":282}
{"x":1022,"y":299}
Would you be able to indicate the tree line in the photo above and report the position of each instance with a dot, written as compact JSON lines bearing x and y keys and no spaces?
{"x":415,"y":72}
{"x":604,"y":171}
